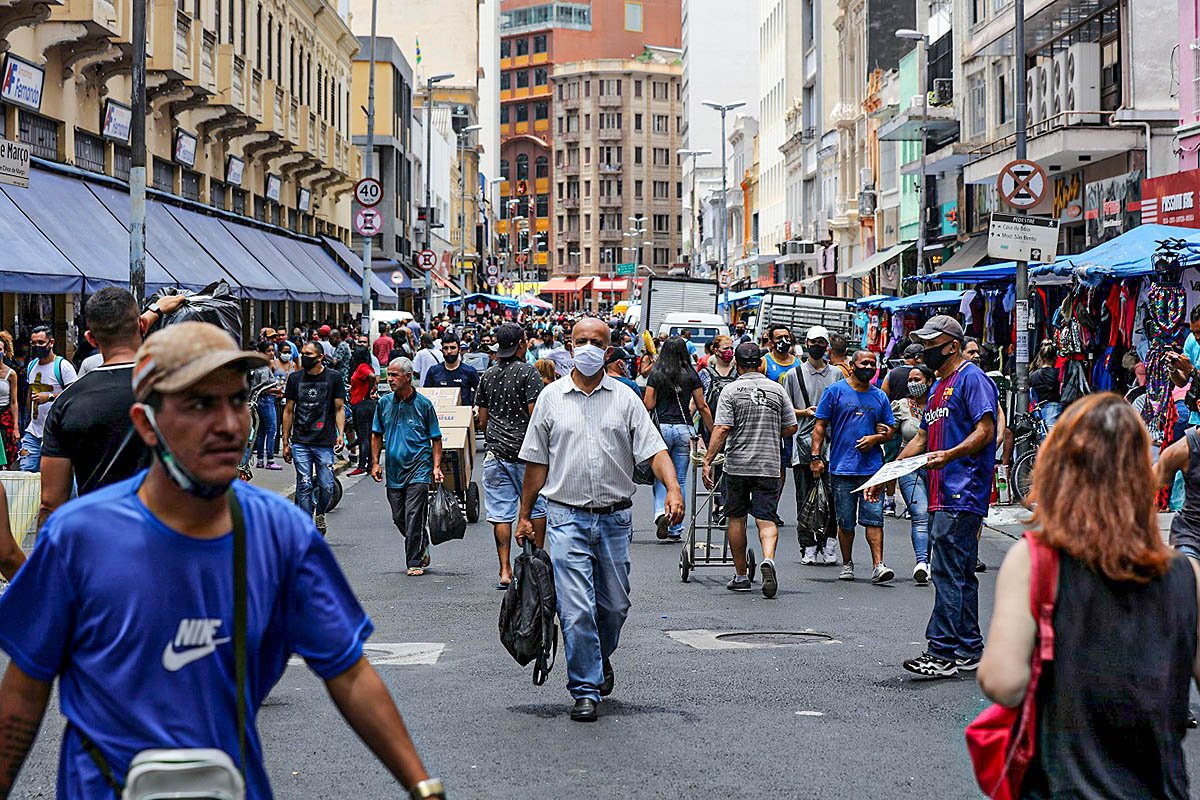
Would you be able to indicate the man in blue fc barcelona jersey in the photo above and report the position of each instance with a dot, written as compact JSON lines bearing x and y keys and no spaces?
{"x":959,"y":433}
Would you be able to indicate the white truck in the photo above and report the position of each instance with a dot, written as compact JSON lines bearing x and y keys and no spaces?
{"x":662,"y":296}
{"x":801,"y":311}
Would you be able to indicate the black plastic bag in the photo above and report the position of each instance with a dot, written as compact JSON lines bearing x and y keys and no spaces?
{"x":527,"y":628}
{"x":816,"y":514}
{"x":446,"y":518}
{"x":215,"y":304}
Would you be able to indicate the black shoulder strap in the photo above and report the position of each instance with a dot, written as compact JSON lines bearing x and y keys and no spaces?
{"x":101,"y":762}
{"x":239,"y":620}
{"x":803,"y":388}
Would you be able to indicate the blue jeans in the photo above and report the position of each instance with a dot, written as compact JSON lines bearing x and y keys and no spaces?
{"x":265,"y":439}
{"x":915,"y":489}
{"x":1052,"y":411}
{"x":590,"y":553}
{"x":679,"y":448}
{"x":953,"y":629}
{"x":29,"y":456}
{"x":853,"y":508}
{"x":314,"y":477}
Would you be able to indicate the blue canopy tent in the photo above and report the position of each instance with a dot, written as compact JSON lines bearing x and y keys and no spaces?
{"x":987,"y":273}
{"x":509,"y":302}
{"x":737,"y":297}
{"x":942,"y":297}
{"x":1126,"y":256}
{"x":871,"y":300}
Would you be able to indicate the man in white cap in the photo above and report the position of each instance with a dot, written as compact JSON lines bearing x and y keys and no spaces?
{"x":129,"y":597}
{"x":805,"y":386}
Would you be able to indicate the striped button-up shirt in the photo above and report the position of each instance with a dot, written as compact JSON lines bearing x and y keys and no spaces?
{"x":591,"y":442}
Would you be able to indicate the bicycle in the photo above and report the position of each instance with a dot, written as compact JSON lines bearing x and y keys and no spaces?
{"x":1029,"y":431}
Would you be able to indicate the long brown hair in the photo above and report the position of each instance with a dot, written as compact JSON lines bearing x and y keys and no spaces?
{"x":1094,"y":486}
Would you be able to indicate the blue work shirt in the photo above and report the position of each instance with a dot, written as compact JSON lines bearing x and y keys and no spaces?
{"x":464,"y":377}
{"x":1191,"y":349}
{"x":136,"y":621}
{"x":409,"y":428}
{"x":852,"y":415}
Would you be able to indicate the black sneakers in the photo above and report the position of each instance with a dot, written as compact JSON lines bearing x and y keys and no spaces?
{"x":739,"y":583}
{"x":930,"y":666}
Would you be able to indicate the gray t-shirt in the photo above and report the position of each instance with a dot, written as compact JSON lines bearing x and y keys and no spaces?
{"x":758,"y":411}
{"x":816,"y":382}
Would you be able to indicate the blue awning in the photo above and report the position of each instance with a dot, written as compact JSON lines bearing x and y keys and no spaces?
{"x":345,"y":259}
{"x":1126,"y":256}
{"x":988,"y":273}
{"x":290,"y":271}
{"x":258,"y":282}
{"x":510,"y":302}
{"x":737,"y":297}
{"x":942,"y":297}
{"x":189,"y":263}
{"x":342,"y":286}
{"x":80,"y":226}
{"x":871,"y":300}
{"x":29,"y":263}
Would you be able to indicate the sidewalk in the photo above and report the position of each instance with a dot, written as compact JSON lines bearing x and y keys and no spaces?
{"x":1012,"y":521}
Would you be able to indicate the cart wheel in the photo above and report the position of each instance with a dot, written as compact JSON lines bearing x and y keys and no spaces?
{"x":751,"y":564}
{"x":685,"y":568}
{"x":473,"y":503}
{"x":337,"y":494}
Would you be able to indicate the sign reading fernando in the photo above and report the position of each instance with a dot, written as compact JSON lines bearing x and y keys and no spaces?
{"x":22,"y":83}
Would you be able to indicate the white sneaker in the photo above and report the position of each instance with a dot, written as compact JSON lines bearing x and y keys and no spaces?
{"x":808,"y":556}
{"x":831,"y":556}
{"x":847,"y":572}
{"x":882,"y":573}
{"x":921,"y":573}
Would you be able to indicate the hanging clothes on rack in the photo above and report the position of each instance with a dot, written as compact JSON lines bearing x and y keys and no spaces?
{"x":1165,"y":327}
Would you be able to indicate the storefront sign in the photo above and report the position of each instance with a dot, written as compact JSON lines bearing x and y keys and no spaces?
{"x":1171,"y":199}
{"x":950,"y":219}
{"x":304,"y":199}
{"x":185,"y":148}
{"x":118,"y":121}
{"x":22,"y":83}
{"x":14,"y":163}
{"x":274,"y":188}
{"x":1113,"y":206}
{"x":1068,"y":197}
{"x":233,"y":170}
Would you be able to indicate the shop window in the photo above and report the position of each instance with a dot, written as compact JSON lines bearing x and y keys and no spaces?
{"x":89,"y":151}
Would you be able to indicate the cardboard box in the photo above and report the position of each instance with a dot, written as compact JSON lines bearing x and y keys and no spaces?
{"x":456,"y":417}
{"x":441,"y":396}
{"x":459,"y":444}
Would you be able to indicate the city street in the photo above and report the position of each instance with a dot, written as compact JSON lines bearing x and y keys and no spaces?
{"x":837,"y":719}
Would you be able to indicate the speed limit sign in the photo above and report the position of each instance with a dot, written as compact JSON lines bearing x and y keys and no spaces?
{"x":493,"y":269}
{"x":368,"y":192}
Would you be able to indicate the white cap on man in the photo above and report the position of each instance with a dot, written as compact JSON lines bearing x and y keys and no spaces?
{"x":817,"y":332}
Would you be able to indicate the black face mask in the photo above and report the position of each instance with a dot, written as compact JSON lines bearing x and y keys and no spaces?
{"x":308,"y":362}
{"x":864,"y":374}
{"x":816,"y":351}
{"x":40,"y":351}
{"x":783,"y":346}
{"x":935,"y":357}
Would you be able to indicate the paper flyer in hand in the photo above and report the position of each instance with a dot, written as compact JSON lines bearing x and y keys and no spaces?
{"x":895,"y":469}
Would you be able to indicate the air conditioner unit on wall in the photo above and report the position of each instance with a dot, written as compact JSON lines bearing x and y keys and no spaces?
{"x":1045,"y":90}
{"x":1081,"y":81}
{"x":1033,"y":97}
{"x":866,"y":203}
{"x":1058,"y":86}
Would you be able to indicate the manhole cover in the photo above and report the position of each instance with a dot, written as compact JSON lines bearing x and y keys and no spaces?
{"x":775,"y":638}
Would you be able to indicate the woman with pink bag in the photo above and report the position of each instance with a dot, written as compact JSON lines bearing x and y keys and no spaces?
{"x":1116,"y":647}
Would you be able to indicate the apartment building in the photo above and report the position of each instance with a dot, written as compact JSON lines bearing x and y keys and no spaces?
{"x":615,"y":161}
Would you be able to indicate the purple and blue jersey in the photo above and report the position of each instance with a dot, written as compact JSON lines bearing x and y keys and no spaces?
{"x":956,"y":405}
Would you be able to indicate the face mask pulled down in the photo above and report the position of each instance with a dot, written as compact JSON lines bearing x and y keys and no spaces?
{"x":182,"y":477}
{"x":589,"y":359}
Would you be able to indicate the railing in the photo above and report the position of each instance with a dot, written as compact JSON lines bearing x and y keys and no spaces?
{"x":610,"y":200}
{"x":1065,"y":119}
{"x":610,"y":101}
{"x":294,"y":122}
{"x":610,"y":134}
{"x":570,"y":202}
{"x":610,"y":168}
{"x":239,"y":83}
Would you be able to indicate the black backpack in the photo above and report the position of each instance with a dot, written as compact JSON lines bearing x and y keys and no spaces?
{"x":527,"y":627}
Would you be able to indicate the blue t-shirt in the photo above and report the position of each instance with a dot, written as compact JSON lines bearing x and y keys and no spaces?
{"x":409,"y":428}
{"x":465,"y":377}
{"x":775,"y":370}
{"x":852,"y":415}
{"x":136,"y":619}
{"x":1191,"y":349}
{"x":956,"y":405}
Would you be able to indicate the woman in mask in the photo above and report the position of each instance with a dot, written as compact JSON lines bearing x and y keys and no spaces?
{"x":268,"y":420}
{"x":913,"y":486}
{"x":671,"y":388}
{"x":718,"y":373}
{"x":362,"y":404}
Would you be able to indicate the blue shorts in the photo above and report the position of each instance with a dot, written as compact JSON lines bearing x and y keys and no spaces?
{"x":502,"y":482}
{"x":852,"y":508}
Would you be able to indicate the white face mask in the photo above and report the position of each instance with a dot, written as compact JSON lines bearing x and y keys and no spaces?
{"x":589,"y":359}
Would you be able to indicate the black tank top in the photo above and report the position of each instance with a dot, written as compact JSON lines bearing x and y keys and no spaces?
{"x":1185,"y":527}
{"x":1113,"y":705}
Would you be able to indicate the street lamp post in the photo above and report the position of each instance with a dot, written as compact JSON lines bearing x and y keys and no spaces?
{"x":367,"y":240}
{"x":923,"y":84}
{"x":462,"y":190}
{"x":695,"y":156}
{"x":429,"y":82}
{"x":725,"y":276}
{"x":137,"y":160}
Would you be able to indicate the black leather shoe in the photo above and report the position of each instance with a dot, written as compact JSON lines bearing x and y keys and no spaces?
{"x":607,"y":687}
{"x":584,"y":710}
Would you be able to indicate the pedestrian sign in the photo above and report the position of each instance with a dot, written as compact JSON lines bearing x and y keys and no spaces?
{"x":626,"y":269}
{"x":1022,"y":184}
{"x":1023,"y":238}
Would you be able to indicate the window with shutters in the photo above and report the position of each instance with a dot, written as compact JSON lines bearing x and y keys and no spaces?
{"x":40,"y":133}
{"x":89,"y":151}
{"x":164,"y":175}
{"x":189,"y":185}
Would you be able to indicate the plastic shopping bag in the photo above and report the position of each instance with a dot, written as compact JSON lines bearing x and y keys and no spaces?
{"x":816,"y":514}
{"x":215,"y":304}
{"x":446,"y":518}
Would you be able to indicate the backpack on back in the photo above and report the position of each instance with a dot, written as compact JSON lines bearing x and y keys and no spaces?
{"x":527,"y":628}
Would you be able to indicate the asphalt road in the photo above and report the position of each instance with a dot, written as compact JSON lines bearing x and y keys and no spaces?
{"x":838,"y":719}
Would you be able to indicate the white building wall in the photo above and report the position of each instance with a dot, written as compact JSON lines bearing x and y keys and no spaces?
{"x":489,"y":90}
{"x":779,"y":83}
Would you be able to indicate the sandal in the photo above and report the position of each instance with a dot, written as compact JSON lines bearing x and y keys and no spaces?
{"x":415,"y":572}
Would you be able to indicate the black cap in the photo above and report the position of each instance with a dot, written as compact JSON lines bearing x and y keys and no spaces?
{"x":748,"y":354}
{"x":939,"y":325}
{"x":508,"y":339}
{"x":913,"y":351}
{"x":617,"y":354}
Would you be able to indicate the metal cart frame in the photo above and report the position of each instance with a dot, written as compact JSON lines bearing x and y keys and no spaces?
{"x":707,"y":518}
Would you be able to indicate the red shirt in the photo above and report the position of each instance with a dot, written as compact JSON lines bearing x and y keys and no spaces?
{"x":360,"y":383}
{"x":383,"y":348}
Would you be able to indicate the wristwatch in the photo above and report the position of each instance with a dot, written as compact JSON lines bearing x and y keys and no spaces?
{"x":430,"y":787}
{"x":154,"y":307}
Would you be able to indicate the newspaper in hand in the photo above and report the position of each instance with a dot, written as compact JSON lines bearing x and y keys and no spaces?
{"x":894,"y":470}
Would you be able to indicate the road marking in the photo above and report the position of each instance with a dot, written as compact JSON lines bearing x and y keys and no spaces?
{"x":403,"y":654}
{"x":702,"y":639}
{"x":810,"y":713}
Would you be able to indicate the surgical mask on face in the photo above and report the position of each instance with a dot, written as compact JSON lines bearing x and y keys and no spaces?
{"x":180,"y":475}
{"x":589,"y":359}
{"x":308,"y":362}
{"x":285,"y":355}
{"x":917,"y":389}
{"x":864,"y":374}
{"x":816,"y":351}
{"x":783,"y":346}
{"x":725,"y":355}
{"x":935,"y":357}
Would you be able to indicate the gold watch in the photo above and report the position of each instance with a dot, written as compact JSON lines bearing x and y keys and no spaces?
{"x":430,"y":787}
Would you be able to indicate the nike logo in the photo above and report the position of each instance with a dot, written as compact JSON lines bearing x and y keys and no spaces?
{"x":195,"y":639}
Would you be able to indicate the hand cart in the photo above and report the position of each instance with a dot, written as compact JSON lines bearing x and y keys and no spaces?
{"x":700,"y":546}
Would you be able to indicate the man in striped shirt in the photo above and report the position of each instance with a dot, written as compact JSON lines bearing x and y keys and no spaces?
{"x":587,"y":434}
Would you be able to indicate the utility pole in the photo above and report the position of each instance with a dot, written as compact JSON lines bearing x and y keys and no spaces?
{"x":428,"y":188}
{"x":137,"y":169}
{"x":370,"y":159}
{"x":726,"y":278}
{"x":1022,"y":305}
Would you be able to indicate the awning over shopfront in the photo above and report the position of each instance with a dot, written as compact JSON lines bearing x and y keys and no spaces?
{"x":871,"y":300}
{"x":988,"y":273}
{"x":968,"y":255}
{"x":1127,"y":255}
{"x":737,"y":297}
{"x":447,"y":283}
{"x":290,"y":271}
{"x":942,"y":297}
{"x":384,"y":293}
{"x":615,"y":286}
{"x":320,"y":261}
{"x":565,"y":285}
{"x":871,"y":263}
{"x":478,"y":297}
{"x":29,"y":263}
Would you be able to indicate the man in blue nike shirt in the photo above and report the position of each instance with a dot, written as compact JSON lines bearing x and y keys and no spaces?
{"x":128,"y":598}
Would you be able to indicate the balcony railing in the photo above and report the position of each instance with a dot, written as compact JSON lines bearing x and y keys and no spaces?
{"x":294,"y":122}
{"x":610,"y":134}
{"x":1066,"y":119}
